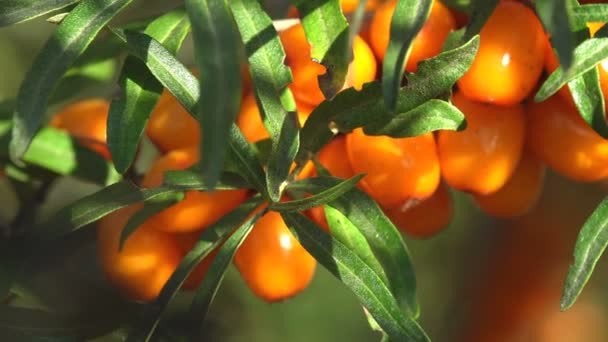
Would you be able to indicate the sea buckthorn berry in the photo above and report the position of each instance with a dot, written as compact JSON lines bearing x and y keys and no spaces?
{"x":147,"y":260}
{"x":305,"y":86}
{"x":171,"y":127}
{"x":482,"y":158}
{"x":333,"y":157}
{"x":425,"y":218}
{"x":272,"y":262}
{"x":397,"y":169}
{"x":427,"y":43}
{"x":86,"y":121}
{"x":509,"y":61}
{"x":198,"y":209}
{"x":185,"y":242}
{"x":519,"y":194}
{"x":559,"y":137}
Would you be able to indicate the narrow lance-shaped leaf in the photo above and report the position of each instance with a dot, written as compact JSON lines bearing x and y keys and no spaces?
{"x":216,"y":46}
{"x":193,"y":180}
{"x":16,"y":11}
{"x":480,"y":12}
{"x":383,"y":238}
{"x":587,"y":96}
{"x":590,"y":245}
{"x":179,"y":81}
{"x":351,"y":109}
{"x":266,"y":57}
{"x":68,"y":42}
{"x":555,"y":16}
{"x":209,"y":239}
{"x":586,"y":56}
{"x":208,"y":289}
{"x":283,"y":153}
{"x":590,"y":13}
{"x":357,"y":276}
{"x":140,"y":91}
{"x":326,"y":29}
{"x":407,"y":20}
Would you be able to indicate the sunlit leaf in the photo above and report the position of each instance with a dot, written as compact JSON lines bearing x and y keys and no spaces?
{"x":284,"y":150}
{"x":16,"y":11}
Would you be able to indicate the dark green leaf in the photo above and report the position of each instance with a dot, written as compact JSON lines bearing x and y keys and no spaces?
{"x":68,"y":42}
{"x":193,"y":180}
{"x":407,"y":20}
{"x":283,"y":153}
{"x":266,"y":57}
{"x":586,"y":56}
{"x":356,"y":22}
{"x":461,"y":5}
{"x":357,"y":276}
{"x":216,"y":47}
{"x":209,"y":239}
{"x":140,"y":91}
{"x":208,"y":289}
{"x":16,"y":11}
{"x":151,"y":208}
{"x":351,"y":109}
{"x":590,"y":13}
{"x":480,"y":11}
{"x":384,"y":239}
{"x":427,"y":117}
{"x":326,"y":29}
{"x":555,"y":16}
{"x":587,"y":95}
{"x":590,"y":245}
{"x":245,"y":161}
{"x":319,"y":198}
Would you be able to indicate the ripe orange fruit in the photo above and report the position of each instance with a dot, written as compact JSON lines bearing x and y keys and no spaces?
{"x":198,"y":209}
{"x":171,"y":127}
{"x":427,"y":43}
{"x":272,"y":262}
{"x":305,"y":86}
{"x":86,"y":121}
{"x":396,"y":169}
{"x":559,"y":137}
{"x":519,"y":194}
{"x":425,"y":218}
{"x":482,"y":158}
{"x":509,"y":61}
{"x":147,"y":260}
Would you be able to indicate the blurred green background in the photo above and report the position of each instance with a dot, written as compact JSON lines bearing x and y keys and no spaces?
{"x":479,"y":280}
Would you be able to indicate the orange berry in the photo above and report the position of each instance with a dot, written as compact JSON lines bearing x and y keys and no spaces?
{"x":519,"y":194}
{"x":198,"y":209}
{"x":86,"y":121}
{"x":559,"y":137}
{"x":509,"y":61}
{"x":171,"y":126}
{"x":427,"y":43}
{"x":397,"y":169}
{"x":482,"y":158}
{"x":425,"y":218}
{"x":349,"y":6}
{"x":147,"y":260}
{"x":272,"y":262}
{"x":305,"y":86}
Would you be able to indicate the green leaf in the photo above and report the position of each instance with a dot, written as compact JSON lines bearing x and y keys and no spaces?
{"x":407,"y":20}
{"x":590,"y":13}
{"x":319,"y":198}
{"x":427,"y":117}
{"x":590,"y":245}
{"x":216,"y":48}
{"x":151,"y":208}
{"x":266,"y":57}
{"x":16,"y":11}
{"x":243,"y":155}
{"x":193,"y":180}
{"x":480,"y":12}
{"x":589,"y":100}
{"x":326,"y":30}
{"x":140,"y":91}
{"x":209,"y":239}
{"x":208,"y":289}
{"x":283,"y":153}
{"x":555,"y":16}
{"x":68,"y":42}
{"x":351,"y":109}
{"x":586,"y":56}
{"x":357,"y":276}
{"x":383,"y":237}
